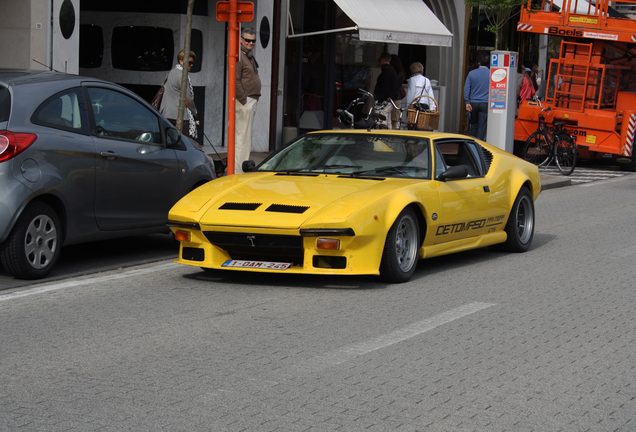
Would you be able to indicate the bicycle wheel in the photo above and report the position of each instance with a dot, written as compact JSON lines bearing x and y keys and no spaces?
{"x":565,"y":153}
{"x":538,"y":149}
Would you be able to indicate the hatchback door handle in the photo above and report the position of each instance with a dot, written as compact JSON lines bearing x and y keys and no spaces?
{"x":109,"y":155}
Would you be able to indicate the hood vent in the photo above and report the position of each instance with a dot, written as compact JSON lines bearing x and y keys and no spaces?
{"x":240,"y":206}
{"x":283,"y":208}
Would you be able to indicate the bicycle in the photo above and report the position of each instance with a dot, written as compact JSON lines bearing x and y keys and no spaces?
{"x":372,"y":120}
{"x":544,"y":146}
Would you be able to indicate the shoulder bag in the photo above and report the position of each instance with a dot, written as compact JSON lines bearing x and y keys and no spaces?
{"x":156,"y":101}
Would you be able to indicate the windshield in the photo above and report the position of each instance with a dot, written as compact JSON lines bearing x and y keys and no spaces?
{"x":355,"y":155}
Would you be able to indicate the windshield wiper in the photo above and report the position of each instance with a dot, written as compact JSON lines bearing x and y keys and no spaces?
{"x":401,"y":169}
{"x":334,"y":166}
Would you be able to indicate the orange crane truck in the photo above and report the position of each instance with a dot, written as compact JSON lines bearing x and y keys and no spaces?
{"x":591,"y":86}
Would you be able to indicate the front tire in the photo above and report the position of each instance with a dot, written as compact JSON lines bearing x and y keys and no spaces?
{"x":401,"y":249}
{"x":34,"y":245}
{"x":520,"y":225}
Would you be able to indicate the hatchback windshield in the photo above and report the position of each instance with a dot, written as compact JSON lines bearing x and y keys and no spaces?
{"x":354,"y":154}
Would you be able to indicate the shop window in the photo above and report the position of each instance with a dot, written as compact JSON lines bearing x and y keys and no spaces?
{"x":139,"y":48}
{"x":91,"y":46}
{"x":196,"y":46}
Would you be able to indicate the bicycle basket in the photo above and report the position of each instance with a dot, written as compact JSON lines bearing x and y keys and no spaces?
{"x":419,"y":119}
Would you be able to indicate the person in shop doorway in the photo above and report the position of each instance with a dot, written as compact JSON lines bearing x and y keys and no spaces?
{"x":419,"y":85}
{"x":476,"y":97}
{"x":170,"y":101}
{"x":386,"y":87}
{"x":396,"y":114}
{"x":248,"y":90}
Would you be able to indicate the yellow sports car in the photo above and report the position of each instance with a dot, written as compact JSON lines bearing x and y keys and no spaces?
{"x":359,"y":202}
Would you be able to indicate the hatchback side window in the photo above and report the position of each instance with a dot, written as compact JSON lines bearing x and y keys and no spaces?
{"x":64,"y":110}
{"x":122,"y":117}
{"x":5,"y":103}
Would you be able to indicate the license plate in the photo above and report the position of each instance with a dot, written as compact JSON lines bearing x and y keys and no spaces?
{"x":265,"y":265}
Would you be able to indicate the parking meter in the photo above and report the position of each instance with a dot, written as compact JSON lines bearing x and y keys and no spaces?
{"x":502,"y":99}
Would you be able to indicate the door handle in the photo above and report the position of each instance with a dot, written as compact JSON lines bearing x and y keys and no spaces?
{"x":486,"y":188}
{"x":109,"y":155}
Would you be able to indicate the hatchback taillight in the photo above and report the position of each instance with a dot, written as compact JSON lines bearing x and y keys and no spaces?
{"x":12,"y":144}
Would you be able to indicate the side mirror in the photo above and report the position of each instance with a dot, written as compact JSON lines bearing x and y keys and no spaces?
{"x":172,"y":136}
{"x":248,"y":166}
{"x":454,"y":172}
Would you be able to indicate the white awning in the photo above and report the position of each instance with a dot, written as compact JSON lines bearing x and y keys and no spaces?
{"x":396,"y":21}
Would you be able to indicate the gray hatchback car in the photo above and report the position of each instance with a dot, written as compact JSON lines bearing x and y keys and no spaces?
{"x":81,"y":160}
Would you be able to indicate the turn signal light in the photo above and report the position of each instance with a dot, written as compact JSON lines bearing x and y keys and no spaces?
{"x":325,"y":243}
{"x":183,"y":236}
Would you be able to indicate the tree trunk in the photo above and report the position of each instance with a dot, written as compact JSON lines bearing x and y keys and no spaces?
{"x":184,"y":72}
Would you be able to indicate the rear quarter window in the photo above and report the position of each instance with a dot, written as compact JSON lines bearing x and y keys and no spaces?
{"x":5,"y":104}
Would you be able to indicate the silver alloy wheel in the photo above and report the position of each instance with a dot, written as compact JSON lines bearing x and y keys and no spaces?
{"x":406,"y":244}
{"x":40,"y":242}
{"x":525,"y":219}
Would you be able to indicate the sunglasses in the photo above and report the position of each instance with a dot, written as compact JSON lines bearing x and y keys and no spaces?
{"x":249,"y":40}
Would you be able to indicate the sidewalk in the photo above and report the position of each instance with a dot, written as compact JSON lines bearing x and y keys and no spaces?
{"x":547,"y":182}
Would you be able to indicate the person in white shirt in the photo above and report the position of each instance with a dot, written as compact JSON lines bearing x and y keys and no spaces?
{"x":419,"y":85}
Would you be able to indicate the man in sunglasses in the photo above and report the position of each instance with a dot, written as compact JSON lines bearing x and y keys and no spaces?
{"x":248,"y":90}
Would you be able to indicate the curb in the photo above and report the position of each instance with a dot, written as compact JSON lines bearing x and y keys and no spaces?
{"x":553,"y":183}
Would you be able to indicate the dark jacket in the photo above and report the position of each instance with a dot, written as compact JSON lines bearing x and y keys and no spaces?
{"x":248,"y":83}
{"x":387,"y":84}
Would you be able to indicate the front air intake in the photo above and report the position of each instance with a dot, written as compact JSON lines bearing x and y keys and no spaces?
{"x":240,"y":206}
{"x":283,"y":208}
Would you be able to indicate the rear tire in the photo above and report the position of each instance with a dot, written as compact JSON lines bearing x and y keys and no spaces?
{"x":520,"y":225}
{"x":566,"y":154}
{"x":33,"y":246}
{"x":538,"y":149}
{"x":401,"y":249}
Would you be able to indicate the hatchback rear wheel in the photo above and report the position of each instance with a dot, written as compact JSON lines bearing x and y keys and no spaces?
{"x":33,"y":247}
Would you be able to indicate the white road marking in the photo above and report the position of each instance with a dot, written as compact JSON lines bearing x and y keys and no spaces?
{"x":347,"y":353}
{"x":74,"y":283}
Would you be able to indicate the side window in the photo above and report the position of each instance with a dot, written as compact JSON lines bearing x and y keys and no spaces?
{"x":461,"y":153}
{"x":5,"y":103}
{"x":120,"y":116}
{"x":65,"y":110}
{"x":475,"y":149}
{"x":440,"y":165}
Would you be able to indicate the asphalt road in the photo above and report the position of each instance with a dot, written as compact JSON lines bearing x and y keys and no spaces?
{"x":477,"y":341}
{"x":105,"y":255}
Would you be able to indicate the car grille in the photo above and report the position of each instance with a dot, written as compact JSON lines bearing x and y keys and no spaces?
{"x":260,"y":247}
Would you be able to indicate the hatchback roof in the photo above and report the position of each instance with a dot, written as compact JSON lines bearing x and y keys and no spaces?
{"x":28,"y":76}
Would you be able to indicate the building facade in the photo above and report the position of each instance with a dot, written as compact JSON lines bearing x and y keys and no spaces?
{"x":309,"y":52}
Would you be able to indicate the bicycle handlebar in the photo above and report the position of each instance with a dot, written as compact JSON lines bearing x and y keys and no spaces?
{"x":536,"y":99}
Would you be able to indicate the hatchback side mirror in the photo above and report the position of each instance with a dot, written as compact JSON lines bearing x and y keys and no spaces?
{"x":172,"y":136}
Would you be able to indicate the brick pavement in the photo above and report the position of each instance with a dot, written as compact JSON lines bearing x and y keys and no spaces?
{"x":177,"y":349}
